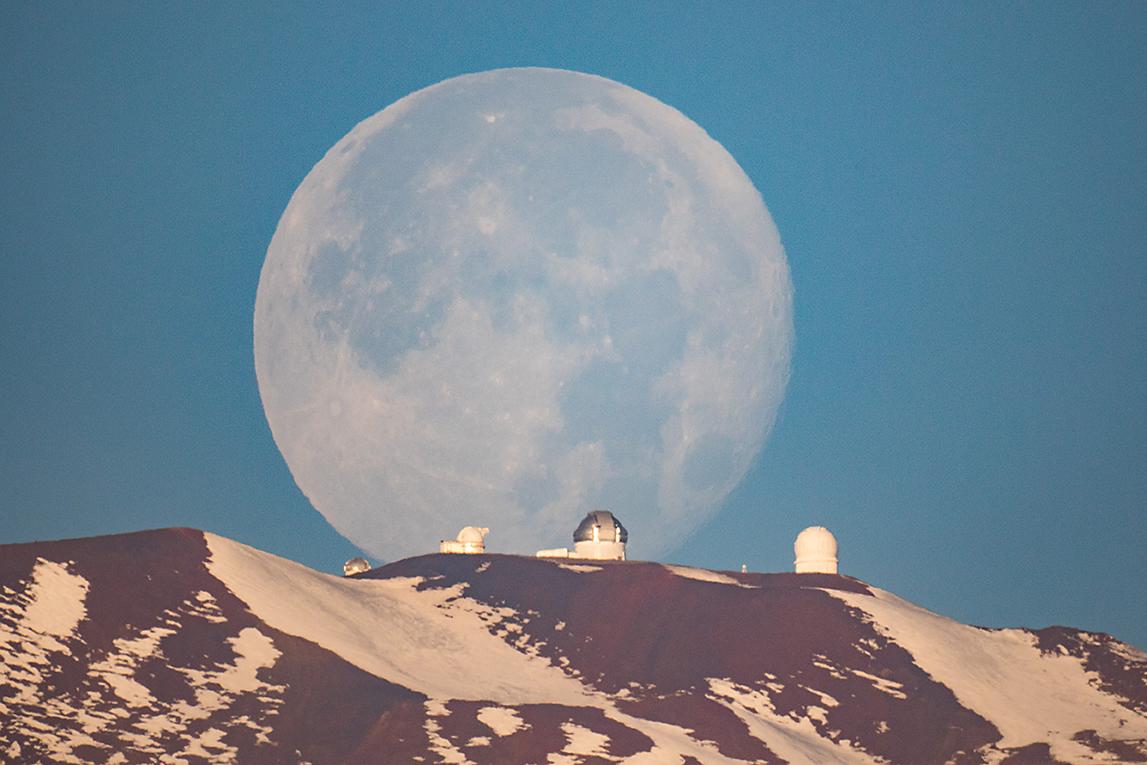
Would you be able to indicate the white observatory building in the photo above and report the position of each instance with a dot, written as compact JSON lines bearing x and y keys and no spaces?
{"x":355,"y":566}
{"x":471,"y":540}
{"x":599,"y":536}
{"x":815,"y":550}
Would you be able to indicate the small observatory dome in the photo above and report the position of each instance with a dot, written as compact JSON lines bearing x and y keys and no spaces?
{"x":600,"y":536}
{"x":815,"y":549}
{"x":471,"y":540}
{"x":355,"y":566}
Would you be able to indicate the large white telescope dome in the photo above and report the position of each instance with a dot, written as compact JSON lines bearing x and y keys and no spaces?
{"x":815,"y":549}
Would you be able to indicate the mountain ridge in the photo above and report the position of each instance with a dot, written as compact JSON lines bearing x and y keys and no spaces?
{"x":176,"y":645}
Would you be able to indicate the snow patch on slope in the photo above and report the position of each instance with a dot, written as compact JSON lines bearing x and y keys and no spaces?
{"x":213,"y":690}
{"x":501,"y":720}
{"x":439,"y":744}
{"x":38,"y":627}
{"x":704,"y":575}
{"x":580,"y":742}
{"x":1003,"y":676}
{"x":578,"y":568}
{"x":56,"y":600}
{"x":117,"y":669}
{"x":794,"y":739}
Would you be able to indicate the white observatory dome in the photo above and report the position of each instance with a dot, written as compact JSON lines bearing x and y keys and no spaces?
{"x":471,"y":540}
{"x":355,"y":566}
{"x":473,"y":535}
{"x":815,"y":549}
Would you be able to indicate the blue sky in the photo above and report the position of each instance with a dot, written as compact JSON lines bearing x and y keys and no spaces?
{"x":961,"y":190}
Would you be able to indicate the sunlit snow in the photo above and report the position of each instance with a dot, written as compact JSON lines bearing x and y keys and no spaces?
{"x":1004,"y":677}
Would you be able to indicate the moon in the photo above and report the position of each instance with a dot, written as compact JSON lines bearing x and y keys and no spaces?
{"x":516,"y":296}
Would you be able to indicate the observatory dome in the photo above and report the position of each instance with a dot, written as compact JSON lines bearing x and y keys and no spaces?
{"x":600,"y":526}
{"x":470,"y":540}
{"x":355,"y":566}
{"x":600,"y":536}
{"x":815,"y":549}
{"x":473,"y":535}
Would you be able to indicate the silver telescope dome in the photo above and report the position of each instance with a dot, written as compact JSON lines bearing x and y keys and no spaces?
{"x":609,"y":528}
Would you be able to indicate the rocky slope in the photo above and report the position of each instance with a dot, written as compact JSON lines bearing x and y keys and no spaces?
{"x":177,"y":646}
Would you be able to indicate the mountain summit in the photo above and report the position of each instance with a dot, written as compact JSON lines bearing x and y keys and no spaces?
{"x":177,"y":646}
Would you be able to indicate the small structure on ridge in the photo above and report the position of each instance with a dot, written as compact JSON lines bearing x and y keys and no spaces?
{"x":355,"y":566}
{"x":815,"y":549}
{"x":471,"y":541}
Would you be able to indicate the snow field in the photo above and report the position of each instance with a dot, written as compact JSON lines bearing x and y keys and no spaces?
{"x":1002,"y":676}
{"x":435,"y":642}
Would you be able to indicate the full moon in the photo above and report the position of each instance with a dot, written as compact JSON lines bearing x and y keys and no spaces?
{"x":516,"y":296}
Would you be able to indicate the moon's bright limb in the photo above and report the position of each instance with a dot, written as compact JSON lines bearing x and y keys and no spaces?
{"x":513,"y":297}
